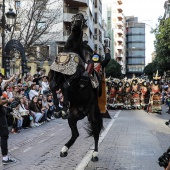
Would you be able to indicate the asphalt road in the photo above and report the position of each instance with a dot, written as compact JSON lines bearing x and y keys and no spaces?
{"x":132,"y":140}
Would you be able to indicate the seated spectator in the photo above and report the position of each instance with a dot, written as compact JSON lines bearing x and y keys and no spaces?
{"x":7,"y":93}
{"x":51,"y":106}
{"x":27,"y":90}
{"x":15,"y":91}
{"x":24,"y":114}
{"x":60,"y":98}
{"x":33,"y":92}
{"x":43,"y":110}
{"x":16,"y":114}
{"x":36,"y":79}
{"x":45,"y":86}
{"x":46,"y":106}
{"x":35,"y":111}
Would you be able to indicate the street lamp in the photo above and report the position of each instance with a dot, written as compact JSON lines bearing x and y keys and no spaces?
{"x":5,"y":25}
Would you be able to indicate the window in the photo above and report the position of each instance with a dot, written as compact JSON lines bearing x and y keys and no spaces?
{"x":136,"y":53}
{"x":136,"y":60}
{"x":95,"y":3}
{"x":95,"y":18}
{"x":41,"y":25}
{"x":135,"y":68}
{"x":17,"y":4}
{"x":136,"y":38}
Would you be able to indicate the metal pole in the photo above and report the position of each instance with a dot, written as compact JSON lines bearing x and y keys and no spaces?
{"x":3,"y":36}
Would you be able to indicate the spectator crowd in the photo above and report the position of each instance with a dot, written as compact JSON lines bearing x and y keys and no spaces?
{"x":35,"y":102}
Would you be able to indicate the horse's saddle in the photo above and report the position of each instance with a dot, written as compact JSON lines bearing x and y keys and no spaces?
{"x":66,"y":63}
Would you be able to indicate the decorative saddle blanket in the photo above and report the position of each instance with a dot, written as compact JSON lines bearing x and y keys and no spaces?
{"x":66,"y":63}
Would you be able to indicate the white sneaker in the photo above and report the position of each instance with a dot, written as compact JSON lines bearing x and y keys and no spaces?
{"x":36,"y":124}
{"x":48,"y":119}
{"x":52,"y":118}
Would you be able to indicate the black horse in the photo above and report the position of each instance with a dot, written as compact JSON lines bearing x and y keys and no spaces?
{"x":79,"y":101}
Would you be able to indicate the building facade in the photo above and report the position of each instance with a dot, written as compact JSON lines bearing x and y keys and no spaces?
{"x":135,"y":47}
{"x":52,"y":41}
{"x":167,"y":9}
{"x":117,"y":31}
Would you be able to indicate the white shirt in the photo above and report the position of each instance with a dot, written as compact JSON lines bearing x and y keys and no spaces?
{"x":33,"y":93}
{"x":22,"y":108}
{"x":9,"y":94}
{"x":45,"y":86}
{"x":3,"y":84}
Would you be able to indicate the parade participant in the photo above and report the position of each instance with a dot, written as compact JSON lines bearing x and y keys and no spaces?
{"x":98,"y":64}
{"x":4,"y":130}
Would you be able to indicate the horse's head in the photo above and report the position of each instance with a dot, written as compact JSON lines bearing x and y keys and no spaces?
{"x":78,"y":22}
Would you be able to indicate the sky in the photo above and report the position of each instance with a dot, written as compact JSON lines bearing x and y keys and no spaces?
{"x":147,"y":11}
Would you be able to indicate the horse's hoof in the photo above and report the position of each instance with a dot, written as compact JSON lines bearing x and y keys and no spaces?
{"x":94,"y":159}
{"x":63,"y":154}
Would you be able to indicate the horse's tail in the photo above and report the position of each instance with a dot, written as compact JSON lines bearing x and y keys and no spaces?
{"x":95,"y":124}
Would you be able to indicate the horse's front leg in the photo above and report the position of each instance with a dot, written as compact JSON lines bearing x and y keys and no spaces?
{"x":54,"y":79}
{"x":72,"y":121}
{"x":65,"y":111}
{"x":95,"y":153}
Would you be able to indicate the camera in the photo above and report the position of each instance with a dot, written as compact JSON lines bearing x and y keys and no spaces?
{"x":164,"y":159}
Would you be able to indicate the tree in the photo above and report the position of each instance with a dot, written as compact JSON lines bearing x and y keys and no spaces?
{"x":113,"y":69}
{"x":162,"y":44}
{"x":35,"y":25}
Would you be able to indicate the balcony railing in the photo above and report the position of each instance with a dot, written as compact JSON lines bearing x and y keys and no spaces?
{"x":120,"y":16}
{"x":119,"y":2}
{"x":74,"y":3}
{"x":119,"y":47}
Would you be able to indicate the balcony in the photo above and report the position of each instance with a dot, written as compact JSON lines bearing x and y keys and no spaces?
{"x":119,"y":47}
{"x":119,"y":39}
{"x":120,"y":31}
{"x":77,"y":3}
{"x":120,"y":56}
{"x":120,"y":16}
{"x":119,"y":2}
{"x":120,"y":62}
{"x":120,"y":23}
{"x":119,"y":8}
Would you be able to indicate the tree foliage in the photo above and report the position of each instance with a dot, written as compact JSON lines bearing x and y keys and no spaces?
{"x":113,"y":69}
{"x":36,"y":24}
{"x":162,"y":44}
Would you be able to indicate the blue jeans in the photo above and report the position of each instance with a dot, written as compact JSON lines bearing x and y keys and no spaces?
{"x":38,"y":116}
{"x":19,"y":122}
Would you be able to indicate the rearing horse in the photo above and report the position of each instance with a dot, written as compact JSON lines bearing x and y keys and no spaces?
{"x":79,"y":101}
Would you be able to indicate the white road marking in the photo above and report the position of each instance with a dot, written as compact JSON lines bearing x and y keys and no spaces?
{"x":14,"y":148}
{"x":84,"y":162}
{"x":27,"y":149}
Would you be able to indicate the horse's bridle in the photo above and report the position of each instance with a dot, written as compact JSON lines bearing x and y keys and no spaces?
{"x":78,"y":17}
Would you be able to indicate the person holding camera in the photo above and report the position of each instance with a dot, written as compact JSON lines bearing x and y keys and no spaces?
{"x":4,"y":133}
